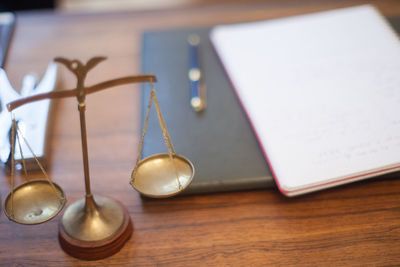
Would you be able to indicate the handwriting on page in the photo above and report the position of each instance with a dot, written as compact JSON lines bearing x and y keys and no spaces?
{"x":340,"y":127}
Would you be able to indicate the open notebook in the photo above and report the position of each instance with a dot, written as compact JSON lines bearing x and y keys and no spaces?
{"x":322,"y":92}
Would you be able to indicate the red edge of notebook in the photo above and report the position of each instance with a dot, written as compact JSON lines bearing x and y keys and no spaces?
{"x":309,"y":188}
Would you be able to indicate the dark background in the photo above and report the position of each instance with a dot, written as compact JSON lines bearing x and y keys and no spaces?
{"x":13,"y":5}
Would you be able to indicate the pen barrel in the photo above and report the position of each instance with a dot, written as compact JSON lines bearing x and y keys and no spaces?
{"x":194,"y":73}
{"x":194,"y":89}
{"x":193,"y":56}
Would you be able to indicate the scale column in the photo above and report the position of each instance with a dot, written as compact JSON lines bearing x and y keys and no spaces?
{"x":93,"y":227}
{"x":89,"y":203}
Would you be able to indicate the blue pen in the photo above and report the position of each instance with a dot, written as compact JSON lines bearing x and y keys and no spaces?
{"x":197,"y":89}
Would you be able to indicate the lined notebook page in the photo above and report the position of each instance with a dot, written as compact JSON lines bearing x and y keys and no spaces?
{"x":322,"y":92}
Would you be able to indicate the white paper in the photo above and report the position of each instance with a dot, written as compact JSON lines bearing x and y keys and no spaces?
{"x":322,"y":92}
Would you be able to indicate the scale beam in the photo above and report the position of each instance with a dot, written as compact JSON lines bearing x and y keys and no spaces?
{"x":88,"y":90}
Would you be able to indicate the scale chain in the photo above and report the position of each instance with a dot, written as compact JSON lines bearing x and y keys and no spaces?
{"x":22,"y":155}
{"x":39,"y":164}
{"x":142,"y":137}
{"x":167,"y":139}
{"x":12,"y":163}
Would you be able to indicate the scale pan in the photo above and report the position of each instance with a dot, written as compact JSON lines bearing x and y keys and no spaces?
{"x":34,"y":202}
{"x":156,"y":175}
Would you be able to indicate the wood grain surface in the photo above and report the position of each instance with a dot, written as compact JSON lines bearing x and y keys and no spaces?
{"x":353,"y":225}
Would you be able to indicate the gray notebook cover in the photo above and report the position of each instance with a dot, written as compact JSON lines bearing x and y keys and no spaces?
{"x":219,"y":141}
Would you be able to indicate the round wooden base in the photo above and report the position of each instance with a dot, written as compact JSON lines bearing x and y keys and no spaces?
{"x":99,"y":249}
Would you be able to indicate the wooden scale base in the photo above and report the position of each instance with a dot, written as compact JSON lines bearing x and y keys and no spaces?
{"x":97,"y":250}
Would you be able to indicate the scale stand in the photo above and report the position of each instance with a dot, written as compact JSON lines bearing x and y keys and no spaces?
{"x":96,"y":227}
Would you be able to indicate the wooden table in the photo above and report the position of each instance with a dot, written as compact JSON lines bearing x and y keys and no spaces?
{"x":353,"y":225}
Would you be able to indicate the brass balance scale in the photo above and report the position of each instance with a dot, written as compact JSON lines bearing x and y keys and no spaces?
{"x":93,"y":227}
